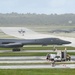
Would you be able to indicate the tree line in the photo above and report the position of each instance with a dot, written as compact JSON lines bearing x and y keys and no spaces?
{"x":12,"y":19}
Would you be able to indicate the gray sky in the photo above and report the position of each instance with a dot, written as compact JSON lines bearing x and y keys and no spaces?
{"x":37,"y":6}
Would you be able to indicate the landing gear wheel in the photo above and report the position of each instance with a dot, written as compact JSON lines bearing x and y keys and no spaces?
{"x":15,"y":49}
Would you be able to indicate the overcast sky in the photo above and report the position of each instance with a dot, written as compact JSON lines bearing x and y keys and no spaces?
{"x":37,"y":6}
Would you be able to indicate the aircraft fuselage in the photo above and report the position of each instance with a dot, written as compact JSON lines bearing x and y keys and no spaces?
{"x":12,"y":43}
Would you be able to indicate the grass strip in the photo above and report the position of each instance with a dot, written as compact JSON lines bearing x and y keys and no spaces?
{"x":30,"y":53}
{"x":24,"y":54}
{"x":37,"y":72}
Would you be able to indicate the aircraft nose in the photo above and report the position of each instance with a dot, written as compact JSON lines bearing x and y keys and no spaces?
{"x":67,"y":42}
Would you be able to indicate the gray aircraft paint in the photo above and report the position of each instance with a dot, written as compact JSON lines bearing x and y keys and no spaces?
{"x":12,"y":43}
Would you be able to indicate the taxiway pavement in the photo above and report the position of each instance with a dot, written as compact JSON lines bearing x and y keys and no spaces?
{"x":37,"y":66}
{"x":31,"y":59}
{"x":1,"y":51}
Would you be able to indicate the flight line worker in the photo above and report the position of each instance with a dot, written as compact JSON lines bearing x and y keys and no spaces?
{"x":48,"y":57}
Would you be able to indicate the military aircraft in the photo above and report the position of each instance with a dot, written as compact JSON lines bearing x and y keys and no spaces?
{"x":28,"y":37}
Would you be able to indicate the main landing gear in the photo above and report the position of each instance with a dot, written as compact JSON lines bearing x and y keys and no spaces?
{"x":16,"y":49}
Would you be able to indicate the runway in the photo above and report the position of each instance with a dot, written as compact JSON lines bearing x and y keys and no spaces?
{"x":2,"y":51}
{"x":45,"y":50}
{"x":23,"y":58}
{"x":37,"y":66}
{"x":27,"y":58}
{"x":38,"y":60}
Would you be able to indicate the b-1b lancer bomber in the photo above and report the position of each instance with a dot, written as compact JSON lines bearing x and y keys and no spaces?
{"x":28,"y":37}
